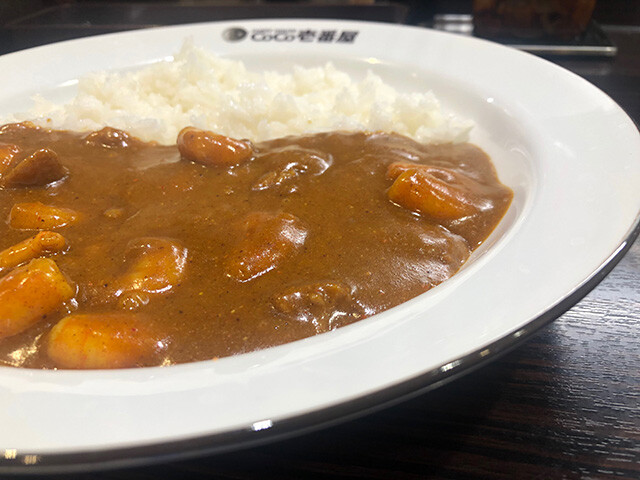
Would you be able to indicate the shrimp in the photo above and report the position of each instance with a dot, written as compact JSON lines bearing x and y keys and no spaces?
{"x":211,"y":149}
{"x":437,"y":192}
{"x":8,"y":154}
{"x":40,"y":168}
{"x":105,"y":340}
{"x":41,"y":244}
{"x":153,"y":266}
{"x":269,"y":239}
{"x":30,"y":293}
{"x":157,"y":265}
{"x":19,"y":127}
{"x":111,"y":138}
{"x":38,"y":216}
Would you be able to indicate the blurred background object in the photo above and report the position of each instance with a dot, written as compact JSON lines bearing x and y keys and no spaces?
{"x":619,"y":12}
{"x":544,"y":27}
{"x":565,"y":19}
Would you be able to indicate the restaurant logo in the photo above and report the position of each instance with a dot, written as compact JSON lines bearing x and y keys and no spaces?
{"x":236,"y":34}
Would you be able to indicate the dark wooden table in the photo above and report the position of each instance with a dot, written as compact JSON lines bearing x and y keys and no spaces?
{"x":566,"y":404}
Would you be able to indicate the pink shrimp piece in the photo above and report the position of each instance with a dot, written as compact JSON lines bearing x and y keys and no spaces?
{"x":30,"y":293}
{"x":38,"y":216}
{"x":104,"y":341}
{"x":211,"y":149}
{"x":44,"y":243}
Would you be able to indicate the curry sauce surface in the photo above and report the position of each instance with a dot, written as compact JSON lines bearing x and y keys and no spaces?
{"x":315,"y":210}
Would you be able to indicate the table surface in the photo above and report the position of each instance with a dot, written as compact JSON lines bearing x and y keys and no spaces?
{"x":566,"y":404}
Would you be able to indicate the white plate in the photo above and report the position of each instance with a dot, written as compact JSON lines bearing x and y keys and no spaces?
{"x":569,"y":152}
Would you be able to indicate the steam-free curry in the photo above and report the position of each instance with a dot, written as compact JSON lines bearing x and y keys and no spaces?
{"x":119,"y":253}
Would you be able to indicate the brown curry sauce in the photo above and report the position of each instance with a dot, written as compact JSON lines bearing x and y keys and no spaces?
{"x":287,"y":239}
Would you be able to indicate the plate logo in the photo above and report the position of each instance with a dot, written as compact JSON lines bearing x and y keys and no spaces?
{"x":234,"y":34}
{"x":237,"y":34}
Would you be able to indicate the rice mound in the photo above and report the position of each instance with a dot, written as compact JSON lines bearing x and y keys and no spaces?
{"x":200,"y":89}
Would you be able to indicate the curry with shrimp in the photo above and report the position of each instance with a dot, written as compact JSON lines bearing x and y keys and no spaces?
{"x":118,"y":253}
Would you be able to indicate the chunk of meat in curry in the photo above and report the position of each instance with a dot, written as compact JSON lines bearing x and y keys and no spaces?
{"x":120,"y":253}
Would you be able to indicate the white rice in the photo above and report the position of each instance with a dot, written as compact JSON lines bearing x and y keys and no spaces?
{"x":200,"y":89}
